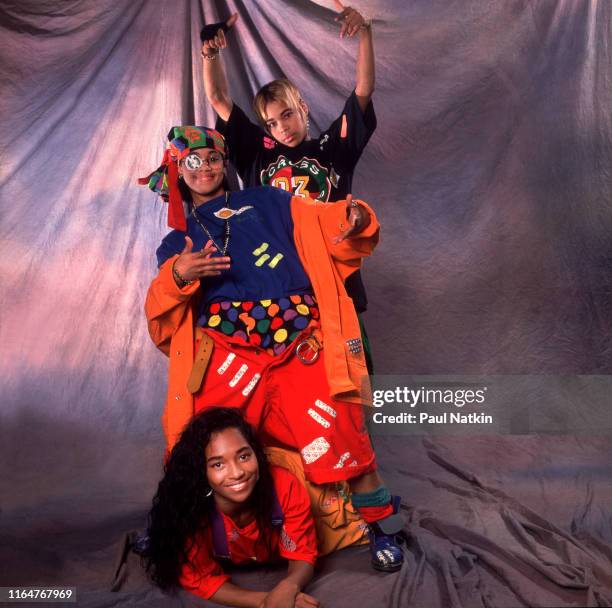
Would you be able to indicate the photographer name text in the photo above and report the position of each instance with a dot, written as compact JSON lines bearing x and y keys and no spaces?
{"x":425,"y":418}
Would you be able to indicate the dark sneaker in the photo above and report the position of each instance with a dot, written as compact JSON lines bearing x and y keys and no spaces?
{"x":385,"y":539}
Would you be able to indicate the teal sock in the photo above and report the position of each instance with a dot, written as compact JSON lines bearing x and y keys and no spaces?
{"x":377,"y":498}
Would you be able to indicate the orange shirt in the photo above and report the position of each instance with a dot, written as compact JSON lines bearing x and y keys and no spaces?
{"x":295,"y":539}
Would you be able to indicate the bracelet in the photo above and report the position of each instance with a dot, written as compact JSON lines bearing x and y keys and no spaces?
{"x":355,"y":205}
{"x":367,"y":22}
{"x":210,"y":56}
{"x":180,"y":281}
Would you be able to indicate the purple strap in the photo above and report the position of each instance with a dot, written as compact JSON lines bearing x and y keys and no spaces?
{"x":219,"y":537}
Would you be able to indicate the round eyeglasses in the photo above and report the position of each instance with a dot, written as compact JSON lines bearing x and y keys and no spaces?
{"x":193,"y":162}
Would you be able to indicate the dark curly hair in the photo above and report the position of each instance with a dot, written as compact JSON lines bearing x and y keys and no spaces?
{"x":181,"y":507}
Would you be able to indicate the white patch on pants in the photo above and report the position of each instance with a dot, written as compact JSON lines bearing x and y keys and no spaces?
{"x":318,"y":418}
{"x":228,"y":361}
{"x":342,"y":460}
{"x":252,"y":382}
{"x":326,"y":408}
{"x":239,"y":374}
{"x":315,"y":449}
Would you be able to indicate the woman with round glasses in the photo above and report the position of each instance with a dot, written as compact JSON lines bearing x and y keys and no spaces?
{"x":251,"y":308}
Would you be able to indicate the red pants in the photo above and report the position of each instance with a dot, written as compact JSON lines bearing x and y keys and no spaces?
{"x":288,"y":403}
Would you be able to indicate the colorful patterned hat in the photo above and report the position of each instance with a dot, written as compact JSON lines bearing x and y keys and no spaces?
{"x":164,"y":180}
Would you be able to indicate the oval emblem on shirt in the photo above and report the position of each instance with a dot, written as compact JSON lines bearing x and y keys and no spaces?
{"x":304,"y":177}
{"x":225,"y":213}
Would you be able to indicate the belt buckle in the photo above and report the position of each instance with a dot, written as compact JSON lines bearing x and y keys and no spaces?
{"x":308,"y":345}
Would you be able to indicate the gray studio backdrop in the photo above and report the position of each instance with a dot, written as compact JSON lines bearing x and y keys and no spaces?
{"x":490,"y":171}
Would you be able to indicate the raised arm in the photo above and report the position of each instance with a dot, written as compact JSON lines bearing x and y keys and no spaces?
{"x":215,"y":81}
{"x":353,"y":24}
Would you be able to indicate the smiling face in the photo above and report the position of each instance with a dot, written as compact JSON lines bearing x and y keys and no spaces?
{"x":286,"y":124}
{"x":205,"y":182}
{"x":231,"y":468}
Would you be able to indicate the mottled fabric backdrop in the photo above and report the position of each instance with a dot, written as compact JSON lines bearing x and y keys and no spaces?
{"x":491,"y":174}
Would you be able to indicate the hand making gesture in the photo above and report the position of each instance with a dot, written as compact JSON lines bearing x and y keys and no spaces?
{"x":213,"y":36}
{"x":352,"y":20}
{"x":190,"y":265}
{"x":357,"y":217}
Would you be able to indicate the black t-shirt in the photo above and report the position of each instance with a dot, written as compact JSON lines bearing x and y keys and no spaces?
{"x":320,"y":168}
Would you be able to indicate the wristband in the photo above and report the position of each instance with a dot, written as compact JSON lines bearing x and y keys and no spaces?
{"x":210,"y":56}
{"x":367,"y":21}
{"x":180,"y":281}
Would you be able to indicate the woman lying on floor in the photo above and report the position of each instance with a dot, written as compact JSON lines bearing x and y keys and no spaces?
{"x":220,"y":500}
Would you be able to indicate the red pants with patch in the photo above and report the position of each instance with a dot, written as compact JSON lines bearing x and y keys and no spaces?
{"x":288,"y":403}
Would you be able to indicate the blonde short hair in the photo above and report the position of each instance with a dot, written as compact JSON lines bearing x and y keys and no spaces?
{"x":281,"y":90}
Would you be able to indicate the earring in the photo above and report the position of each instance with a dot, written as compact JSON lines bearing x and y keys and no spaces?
{"x":209,"y":493}
{"x":180,"y":178}
{"x":307,"y":127}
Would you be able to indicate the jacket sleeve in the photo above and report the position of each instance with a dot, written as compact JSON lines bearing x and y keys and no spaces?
{"x":166,"y":305}
{"x":348,"y":253}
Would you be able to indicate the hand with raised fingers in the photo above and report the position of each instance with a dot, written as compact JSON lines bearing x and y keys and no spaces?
{"x":213,"y":36}
{"x":351,"y":19}
{"x":358,"y":219}
{"x":191,"y":265}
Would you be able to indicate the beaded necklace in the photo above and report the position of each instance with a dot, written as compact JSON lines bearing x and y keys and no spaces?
{"x":223,"y":250}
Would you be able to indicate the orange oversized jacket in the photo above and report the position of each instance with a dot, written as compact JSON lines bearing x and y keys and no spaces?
{"x":170,"y":310}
